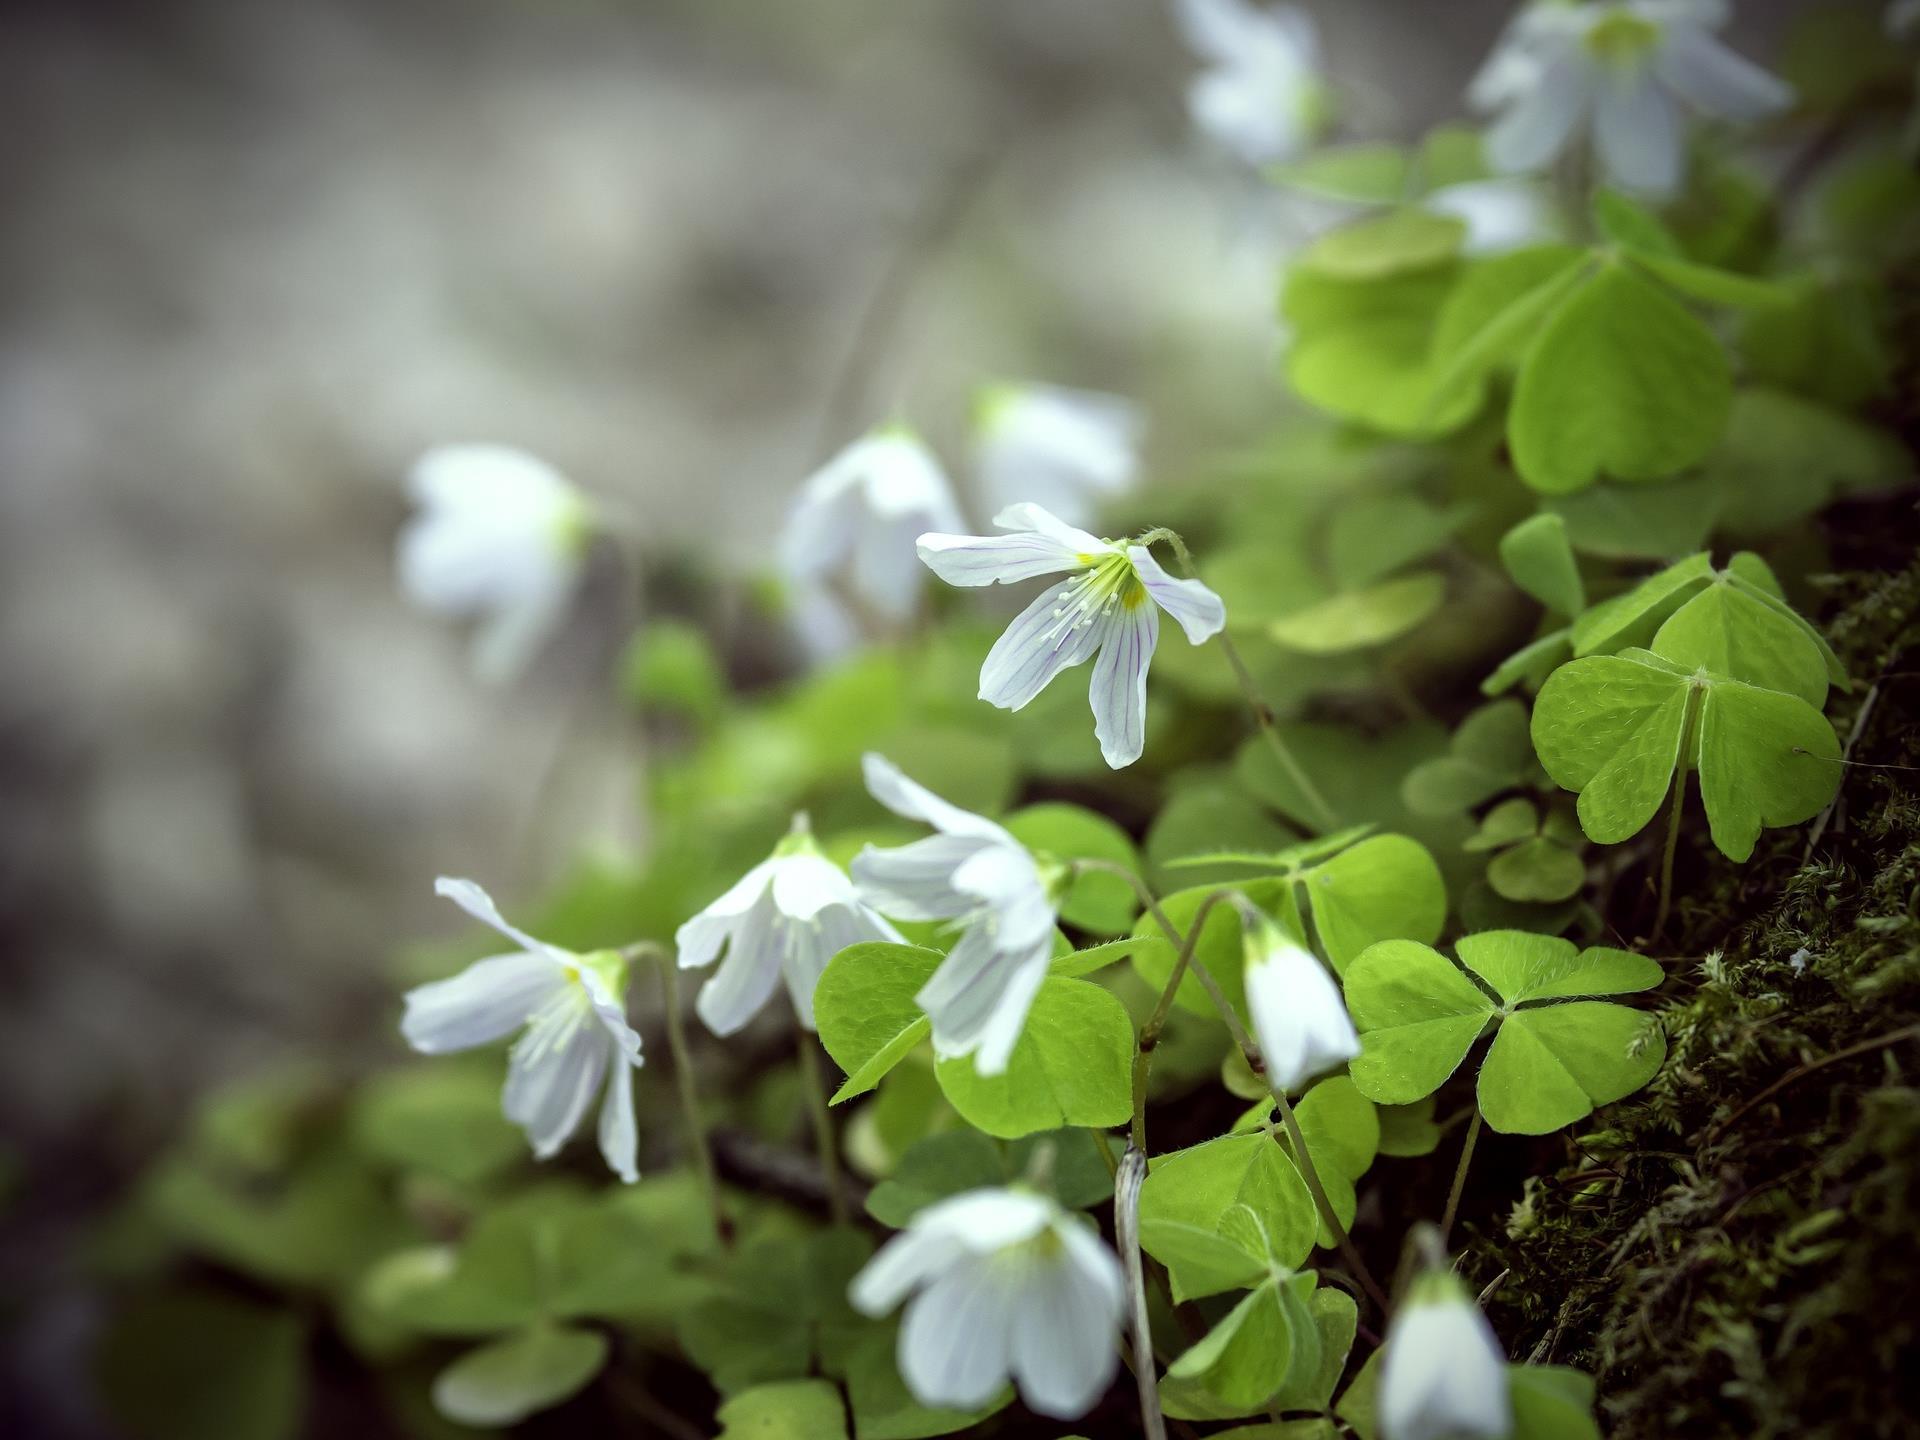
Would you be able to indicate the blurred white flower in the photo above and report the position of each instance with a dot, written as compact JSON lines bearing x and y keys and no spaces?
{"x":577,"y":1034}
{"x":1260,"y":97}
{"x":1624,"y":69}
{"x":500,"y":537}
{"x":1064,"y":450}
{"x":1103,"y":610}
{"x":1903,"y":19}
{"x":860,"y":512}
{"x":1500,"y":214}
{"x":787,"y":916}
{"x":977,"y":874}
{"x":1444,"y":1376}
{"x":1299,"y":1017}
{"x":1005,"y":1285}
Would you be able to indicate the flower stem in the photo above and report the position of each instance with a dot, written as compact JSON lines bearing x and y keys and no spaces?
{"x":1311,"y":1174}
{"x":1673,"y":814}
{"x":689,"y":1094}
{"x":1156,"y":1022}
{"x":1126,"y":1230}
{"x":1460,"y":1176}
{"x":814,"y":1083}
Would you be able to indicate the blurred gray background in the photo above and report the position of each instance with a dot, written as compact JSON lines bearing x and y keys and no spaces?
{"x":258,"y":255}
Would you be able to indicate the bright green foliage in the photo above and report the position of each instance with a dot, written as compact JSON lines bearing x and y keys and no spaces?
{"x":1620,"y":728}
{"x":1550,"y":1063}
{"x":1622,"y":382}
{"x":1550,"y":1402}
{"x":1535,"y":861}
{"x":1404,"y":240}
{"x":528,"y":1371}
{"x":795,"y":1410}
{"x":1488,"y":753}
{"x":1071,"y":1066}
{"x":670,"y":665}
{"x":1539,"y":557}
{"x":866,"y":1013}
{"x":443,"y":1118}
{"x":1266,"y":1343}
{"x":779,"y":1310}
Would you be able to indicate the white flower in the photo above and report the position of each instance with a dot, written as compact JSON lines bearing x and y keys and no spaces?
{"x":1065,"y":450}
{"x":1009,"y":1286}
{"x":1444,"y":1376}
{"x":1102,"y":610}
{"x":576,"y":1031}
{"x":788,"y":916}
{"x":1500,"y":214}
{"x":500,"y":537}
{"x":1259,"y":97}
{"x":1625,"y":68}
{"x":863,"y":508}
{"x":977,"y":874}
{"x":1298,"y":1015}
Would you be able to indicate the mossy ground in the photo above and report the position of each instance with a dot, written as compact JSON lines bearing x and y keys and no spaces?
{"x":1737,"y":1251}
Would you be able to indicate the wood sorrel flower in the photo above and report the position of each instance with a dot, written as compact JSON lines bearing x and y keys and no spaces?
{"x":1064,"y":450}
{"x":1625,"y":69}
{"x":1005,"y":1285}
{"x":1298,"y":1016}
{"x":573,"y":1008}
{"x":789,"y":915}
{"x":501,"y":537}
{"x":1444,"y":1376}
{"x":1260,"y":97}
{"x":1102,"y":611}
{"x":860,"y":512}
{"x":977,"y":874}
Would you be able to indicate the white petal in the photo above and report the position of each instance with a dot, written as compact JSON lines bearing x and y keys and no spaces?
{"x":549,"y":1089}
{"x":1536,"y":128}
{"x":487,"y":478}
{"x":820,"y":532}
{"x":891,"y":787}
{"x":1500,"y":215}
{"x":701,"y":938}
{"x":811,"y":944}
{"x":1637,"y":132}
{"x":996,"y":559}
{"x":619,"y":1136}
{"x":900,"y":1266}
{"x":508,"y":639}
{"x":1710,"y":77}
{"x":1049,"y":636}
{"x":905,"y":483}
{"x":477,"y":903}
{"x":886,"y":565}
{"x":610,"y":1011}
{"x":1004,"y":878}
{"x":1298,"y":1016}
{"x":748,"y":975}
{"x":1064,"y":1319}
{"x":980,"y":994}
{"x":915,"y":882}
{"x":1217,"y":29}
{"x":1253,"y":114}
{"x":1008,"y":1021}
{"x":803,"y":885}
{"x":988,"y":1219}
{"x":1025,"y":515}
{"x":953,"y":1341}
{"x":1200,"y":612}
{"x":1118,"y":691}
{"x":1443,"y":1375}
{"x":1058,"y":447}
{"x":488,"y":1000}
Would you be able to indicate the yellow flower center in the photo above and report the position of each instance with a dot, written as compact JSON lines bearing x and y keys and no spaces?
{"x":1622,"y":38}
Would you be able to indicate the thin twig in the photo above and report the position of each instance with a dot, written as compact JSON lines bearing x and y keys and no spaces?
{"x":1853,"y":738}
{"x":1879,"y":1042}
{"x":1156,"y":1022}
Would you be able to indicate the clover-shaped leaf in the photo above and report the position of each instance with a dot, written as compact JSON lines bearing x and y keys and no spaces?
{"x":1266,"y":1343}
{"x":1549,"y":1065}
{"x":1617,"y":728}
{"x":1489,"y":753}
{"x":1536,"y":861}
{"x":1539,"y":557}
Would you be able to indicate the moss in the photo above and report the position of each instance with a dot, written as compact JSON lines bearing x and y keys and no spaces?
{"x":1736,"y":1253}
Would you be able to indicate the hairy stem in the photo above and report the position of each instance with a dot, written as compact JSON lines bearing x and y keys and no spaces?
{"x":1156,"y":1022}
{"x":1311,"y":1174}
{"x":1126,"y":1229}
{"x":1460,"y":1176}
{"x":814,"y":1083}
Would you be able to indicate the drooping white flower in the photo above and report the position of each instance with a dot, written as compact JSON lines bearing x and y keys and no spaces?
{"x":1500,"y":214}
{"x":975,"y":873}
{"x":1109,"y":612}
{"x":577,"y":1036}
{"x":1260,"y":96}
{"x":1626,"y":70}
{"x":1444,"y":1376}
{"x":1005,"y":1285}
{"x":1299,"y":1017}
{"x":859,"y":514}
{"x":500,"y":538}
{"x":1064,"y":450}
{"x":787,"y":916}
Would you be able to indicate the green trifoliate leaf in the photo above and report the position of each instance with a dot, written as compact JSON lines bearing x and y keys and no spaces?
{"x":529,"y":1371}
{"x":1387,"y":886}
{"x":1358,"y":619}
{"x":1532,"y":662}
{"x":1784,"y":458}
{"x":1641,"y":521}
{"x":1828,"y":343}
{"x":1613,"y":728}
{"x":1507,"y":823}
{"x":1203,"y":1261}
{"x":1551,"y":1402}
{"x":1408,"y":1130}
{"x":1219,"y":947}
{"x":1098,"y":903}
{"x":961,"y":1160}
{"x":1266,"y":1343}
{"x":1071,"y":1066}
{"x":793,"y":1410}
{"x":1735,"y":630}
{"x":1654,"y":249}
{"x":1396,"y":243}
{"x":1491,"y":317}
{"x":1537,"y":871}
{"x":442,"y":1118}
{"x":1488,"y":753}
{"x":884,"y":1409}
{"x":1213,"y":813}
{"x":779,"y":1311}
{"x":1549,"y":1065}
{"x":1362,"y":351}
{"x":1631,"y":226}
{"x":1342,"y":1126}
{"x":1370,"y":538}
{"x":866,"y":1012}
{"x":1632,"y":617}
{"x":1539,"y":557}
{"x":1621,"y":382}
